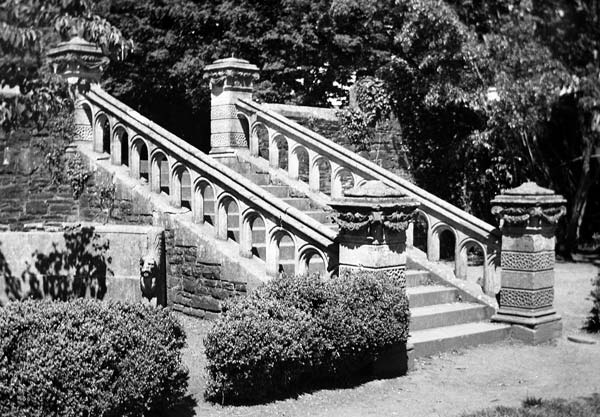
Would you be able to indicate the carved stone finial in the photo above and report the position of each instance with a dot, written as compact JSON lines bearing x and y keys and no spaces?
{"x":78,"y":60}
{"x":374,"y":203}
{"x":528,"y":205}
{"x":231,"y":72}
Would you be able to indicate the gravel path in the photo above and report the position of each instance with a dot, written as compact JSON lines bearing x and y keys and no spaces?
{"x":452,"y":383}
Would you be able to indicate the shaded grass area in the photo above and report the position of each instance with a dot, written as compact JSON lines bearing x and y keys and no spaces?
{"x":536,"y":407}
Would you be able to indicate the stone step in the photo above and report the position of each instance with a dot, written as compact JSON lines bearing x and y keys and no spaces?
{"x":281,"y":191}
{"x":439,"y":315}
{"x":426,"y":295}
{"x":415,"y":278}
{"x":320,"y":216}
{"x":258,"y":179}
{"x":439,"y":339}
{"x":303,"y":204}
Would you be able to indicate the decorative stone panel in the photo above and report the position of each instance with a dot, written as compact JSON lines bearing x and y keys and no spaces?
{"x":223,"y":111}
{"x":526,"y":299}
{"x":527,"y":261}
{"x":397,"y":274}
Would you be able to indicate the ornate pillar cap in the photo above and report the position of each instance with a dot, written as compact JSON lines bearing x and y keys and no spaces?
{"x":528,"y":203}
{"x":232,"y":67}
{"x":374,"y":203}
{"x":78,"y":60}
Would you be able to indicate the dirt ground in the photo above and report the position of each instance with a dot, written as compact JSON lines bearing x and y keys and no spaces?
{"x":452,"y":383}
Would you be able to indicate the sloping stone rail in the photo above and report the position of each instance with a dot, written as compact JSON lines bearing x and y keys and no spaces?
{"x":347,"y":169}
{"x":199,"y":182}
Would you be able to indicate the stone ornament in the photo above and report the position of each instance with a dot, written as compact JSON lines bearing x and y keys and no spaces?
{"x":148,"y":276}
{"x":374,"y":204}
{"x":231,"y":72}
{"x":528,"y":204}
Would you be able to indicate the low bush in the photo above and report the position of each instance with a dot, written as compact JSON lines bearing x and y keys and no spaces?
{"x":298,"y":333}
{"x":86,"y":358}
{"x":592,"y":323}
{"x":581,"y":407}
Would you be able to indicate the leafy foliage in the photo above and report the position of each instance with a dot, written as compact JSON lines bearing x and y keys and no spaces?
{"x":298,"y":333}
{"x":89,"y":358}
{"x":77,"y":173}
{"x":582,"y":407}
{"x":592,"y":323}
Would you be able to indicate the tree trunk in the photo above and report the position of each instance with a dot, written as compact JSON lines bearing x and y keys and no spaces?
{"x":589,"y":174}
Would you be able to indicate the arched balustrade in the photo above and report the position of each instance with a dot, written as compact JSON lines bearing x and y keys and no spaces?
{"x":139,"y":159}
{"x":281,"y":253}
{"x":182,"y":187}
{"x":160,"y":173}
{"x":253,"y":235}
{"x":228,"y":218}
{"x":471,"y":262}
{"x":298,"y":164}
{"x":204,"y":202}
{"x":312,"y":261}
{"x":260,"y":141}
{"x":120,"y":146}
{"x":320,"y":176}
{"x":102,"y":134}
{"x":342,"y":180}
{"x":278,"y":152}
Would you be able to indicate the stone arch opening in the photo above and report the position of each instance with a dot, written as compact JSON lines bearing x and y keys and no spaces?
{"x":301,"y":154}
{"x":120,"y":152}
{"x":261,"y":136}
{"x":473,"y":260}
{"x":257,"y":235}
{"x":102,"y":134}
{"x":312,"y":262}
{"x":245,"y":127}
{"x":229,"y":219}
{"x":284,"y":252}
{"x":344,"y":180}
{"x":160,"y":173}
{"x":139,"y":159}
{"x":447,"y":245}
{"x":182,"y":187}
{"x":204,"y":203}
{"x":420,"y":232}
{"x":324,"y":169}
{"x":282,"y":152}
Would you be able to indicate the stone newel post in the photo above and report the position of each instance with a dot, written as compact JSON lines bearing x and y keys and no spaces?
{"x":81,"y":63}
{"x":230,"y":80}
{"x":528,"y":216}
{"x":373,"y":220}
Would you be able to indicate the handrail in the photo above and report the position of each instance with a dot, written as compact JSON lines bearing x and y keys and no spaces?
{"x":367,"y":168}
{"x":229,"y":178}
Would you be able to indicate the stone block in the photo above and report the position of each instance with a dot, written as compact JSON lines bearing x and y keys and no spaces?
{"x":189,"y":284}
{"x":527,"y":280}
{"x":205,"y":303}
{"x":527,"y":261}
{"x":539,"y":334}
{"x":526,"y":299}
{"x":528,"y":243}
{"x":36,"y":207}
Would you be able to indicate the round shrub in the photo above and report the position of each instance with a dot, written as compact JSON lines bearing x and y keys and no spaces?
{"x":298,"y":333}
{"x":86,"y":358}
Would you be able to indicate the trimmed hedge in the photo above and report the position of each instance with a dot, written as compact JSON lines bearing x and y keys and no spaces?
{"x":299,"y":333}
{"x":87,"y":358}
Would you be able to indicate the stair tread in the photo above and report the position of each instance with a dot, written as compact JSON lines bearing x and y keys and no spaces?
{"x":444,"y":308}
{"x":426,"y":289}
{"x":457,"y":330}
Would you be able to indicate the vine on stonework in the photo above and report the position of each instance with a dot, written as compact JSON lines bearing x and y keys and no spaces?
{"x":106,"y":199}
{"x":61,"y":130}
{"x":77,"y":173}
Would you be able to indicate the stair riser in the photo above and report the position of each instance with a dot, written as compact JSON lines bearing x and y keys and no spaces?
{"x":428,"y":299}
{"x":460,"y":342}
{"x":414,"y":280}
{"x":280,"y":191}
{"x":299,"y":203}
{"x":447,"y":318}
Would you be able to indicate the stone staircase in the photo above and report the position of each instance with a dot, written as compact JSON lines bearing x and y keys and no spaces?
{"x":442,"y":319}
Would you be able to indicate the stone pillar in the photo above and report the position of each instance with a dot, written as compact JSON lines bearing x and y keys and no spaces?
{"x":528,"y":216}
{"x":373,"y":220}
{"x":81,"y":64}
{"x":230,"y":80}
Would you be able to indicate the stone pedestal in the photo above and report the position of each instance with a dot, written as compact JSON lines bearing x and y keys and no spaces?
{"x":528,"y":216}
{"x":230,"y":80}
{"x":373,"y":220}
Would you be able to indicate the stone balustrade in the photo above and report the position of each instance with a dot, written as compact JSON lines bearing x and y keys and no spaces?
{"x":305,"y":156}
{"x":213,"y":193}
